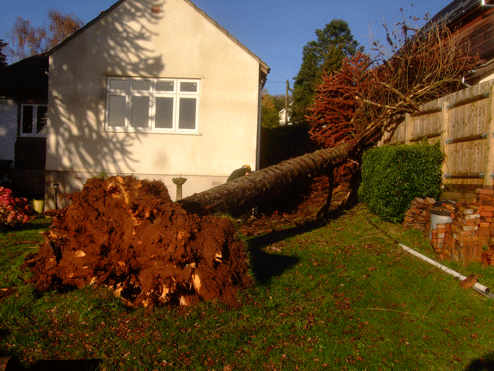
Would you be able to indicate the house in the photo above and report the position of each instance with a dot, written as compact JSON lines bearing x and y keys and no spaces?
{"x":472,"y":21}
{"x":23,"y":107}
{"x":285,"y":116}
{"x":154,"y":89}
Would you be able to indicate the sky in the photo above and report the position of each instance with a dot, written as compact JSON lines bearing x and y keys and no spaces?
{"x":275,"y":30}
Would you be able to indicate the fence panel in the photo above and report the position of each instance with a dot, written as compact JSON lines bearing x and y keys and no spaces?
{"x":463,"y":123}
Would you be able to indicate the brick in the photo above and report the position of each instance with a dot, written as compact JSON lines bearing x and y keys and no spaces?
{"x":442,"y":230}
{"x":466,"y":236}
{"x":430,"y":201}
{"x":485,"y":199}
{"x":448,"y":207}
{"x":467,"y":209}
{"x":467,"y":216}
{"x":422,"y":218}
{"x":484,"y":231}
{"x":486,"y":208}
{"x":486,"y":214}
{"x":468,"y":227}
{"x":484,"y":191}
{"x":461,"y":221}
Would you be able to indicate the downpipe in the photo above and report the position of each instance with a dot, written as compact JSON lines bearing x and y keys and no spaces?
{"x":484,"y":290}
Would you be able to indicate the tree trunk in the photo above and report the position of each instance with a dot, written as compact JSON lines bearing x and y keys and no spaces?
{"x":243,"y":194}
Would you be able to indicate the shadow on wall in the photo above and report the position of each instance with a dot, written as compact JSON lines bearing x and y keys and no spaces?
{"x":114,"y":45}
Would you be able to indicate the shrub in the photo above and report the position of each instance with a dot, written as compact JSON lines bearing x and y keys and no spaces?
{"x":393,"y":176}
{"x":14,"y":211}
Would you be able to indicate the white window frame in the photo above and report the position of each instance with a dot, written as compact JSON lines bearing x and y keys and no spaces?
{"x":34,"y":131}
{"x":152,"y":93}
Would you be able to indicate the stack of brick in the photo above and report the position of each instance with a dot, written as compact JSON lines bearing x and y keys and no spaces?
{"x":466,"y":246}
{"x":469,"y":236}
{"x":441,"y":235}
{"x":485,"y":201}
{"x":418,"y":216}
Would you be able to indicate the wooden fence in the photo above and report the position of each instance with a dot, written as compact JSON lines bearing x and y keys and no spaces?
{"x":463,"y":123}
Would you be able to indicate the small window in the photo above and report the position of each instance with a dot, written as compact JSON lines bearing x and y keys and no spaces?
{"x":144,"y":85}
{"x":165,"y":86}
{"x":160,"y":105}
{"x":188,"y":86}
{"x":118,"y":84}
{"x":33,"y":119}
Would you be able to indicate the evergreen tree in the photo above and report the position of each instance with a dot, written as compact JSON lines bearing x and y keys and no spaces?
{"x":333,"y":44}
{"x":3,"y":57}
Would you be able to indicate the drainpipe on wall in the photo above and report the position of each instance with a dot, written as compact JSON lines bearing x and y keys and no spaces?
{"x":259,"y":110}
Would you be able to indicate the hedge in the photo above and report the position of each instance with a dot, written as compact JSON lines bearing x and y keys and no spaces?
{"x":393,"y":176}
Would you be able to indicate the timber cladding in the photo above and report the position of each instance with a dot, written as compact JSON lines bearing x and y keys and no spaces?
{"x":476,"y":30}
{"x":463,"y":123}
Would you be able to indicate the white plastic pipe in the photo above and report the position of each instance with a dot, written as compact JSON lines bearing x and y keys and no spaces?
{"x":480,"y":288}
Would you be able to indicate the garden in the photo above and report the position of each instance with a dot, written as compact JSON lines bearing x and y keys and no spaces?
{"x":336,"y":293}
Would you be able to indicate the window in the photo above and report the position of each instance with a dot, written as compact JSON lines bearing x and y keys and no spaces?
{"x":33,"y":119}
{"x":157,"y":105}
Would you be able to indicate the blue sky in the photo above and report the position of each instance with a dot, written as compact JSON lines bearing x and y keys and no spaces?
{"x":275,"y":30}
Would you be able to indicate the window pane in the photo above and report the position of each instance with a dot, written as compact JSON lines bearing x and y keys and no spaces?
{"x":187,"y":115}
{"x":41,"y":118}
{"x":118,"y":84}
{"x":164,"y":113}
{"x":188,"y":86}
{"x":140,"y":112}
{"x":141,"y":85}
{"x":117,"y":111}
{"x":164,"y":86}
{"x":27,"y":119}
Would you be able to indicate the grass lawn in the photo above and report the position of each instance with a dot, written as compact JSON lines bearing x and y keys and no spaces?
{"x":339,"y":295}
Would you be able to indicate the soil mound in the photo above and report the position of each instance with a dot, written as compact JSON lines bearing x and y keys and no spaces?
{"x":127,"y":234}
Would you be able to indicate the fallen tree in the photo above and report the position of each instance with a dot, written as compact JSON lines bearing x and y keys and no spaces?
{"x":243,"y":194}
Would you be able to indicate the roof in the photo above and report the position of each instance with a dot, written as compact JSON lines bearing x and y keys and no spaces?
{"x":473,"y":21}
{"x":455,"y":10}
{"x":103,"y":14}
{"x":26,"y":79}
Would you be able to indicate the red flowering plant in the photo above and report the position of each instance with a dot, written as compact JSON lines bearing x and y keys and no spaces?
{"x":14,"y":211}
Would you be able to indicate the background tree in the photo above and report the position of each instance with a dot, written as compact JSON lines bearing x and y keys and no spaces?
{"x":3,"y":57}
{"x":269,"y":112}
{"x":270,"y":106}
{"x":333,"y":44}
{"x":28,"y":40}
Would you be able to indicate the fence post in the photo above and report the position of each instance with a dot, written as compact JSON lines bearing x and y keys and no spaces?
{"x":408,"y":128}
{"x":445,"y":134}
{"x":489,"y":167}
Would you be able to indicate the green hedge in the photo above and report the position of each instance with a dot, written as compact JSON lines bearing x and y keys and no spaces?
{"x":393,"y":176}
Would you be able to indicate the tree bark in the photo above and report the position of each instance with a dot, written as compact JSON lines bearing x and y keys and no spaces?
{"x":243,"y":194}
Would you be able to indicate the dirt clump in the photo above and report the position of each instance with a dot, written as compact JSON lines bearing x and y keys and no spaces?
{"x":128,"y":235}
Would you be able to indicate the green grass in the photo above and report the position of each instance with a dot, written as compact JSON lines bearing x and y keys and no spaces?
{"x":334,"y":296}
